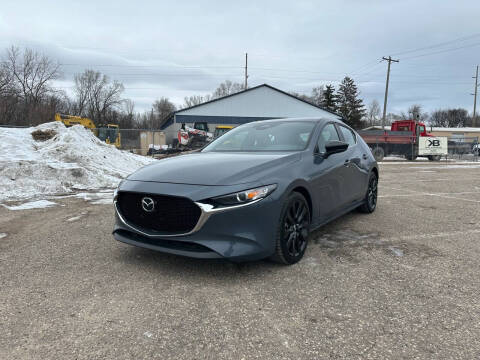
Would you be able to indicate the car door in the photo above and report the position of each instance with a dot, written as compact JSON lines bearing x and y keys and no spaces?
{"x":356,"y":176}
{"x":327,"y":175}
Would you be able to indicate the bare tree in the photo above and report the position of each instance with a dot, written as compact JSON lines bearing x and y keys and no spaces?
{"x":6,"y":79}
{"x":32,"y":74}
{"x":227,"y":88}
{"x":303,"y":97}
{"x":415,"y":112}
{"x":129,"y":107}
{"x":318,"y":95}
{"x":162,"y":108}
{"x":26,"y":78}
{"x":224,"y":89}
{"x":450,"y":118}
{"x":373,"y":113}
{"x":96,"y":95}
{"x":195,"y":100}
{"x":83,"y":84}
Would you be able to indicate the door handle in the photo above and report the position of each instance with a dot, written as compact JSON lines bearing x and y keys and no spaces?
{"x":364,"y":156}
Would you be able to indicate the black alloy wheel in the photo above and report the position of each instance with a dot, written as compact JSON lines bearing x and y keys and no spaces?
{"x":370,"y":203}
{"x":293,"y":230}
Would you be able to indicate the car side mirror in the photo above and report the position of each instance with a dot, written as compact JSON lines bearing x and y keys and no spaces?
{"x":334,"y":147}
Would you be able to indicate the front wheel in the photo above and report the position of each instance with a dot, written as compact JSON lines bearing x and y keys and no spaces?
{"x":292,"y":230}
{"x":370,"y":201}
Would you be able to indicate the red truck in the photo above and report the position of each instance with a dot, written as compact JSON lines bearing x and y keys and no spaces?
{"x":402,"y":139}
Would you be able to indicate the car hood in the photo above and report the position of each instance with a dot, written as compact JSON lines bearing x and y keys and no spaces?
{"x":212,"y":168}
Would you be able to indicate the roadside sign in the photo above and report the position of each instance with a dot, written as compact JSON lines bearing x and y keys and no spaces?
{"x":432,"y":145}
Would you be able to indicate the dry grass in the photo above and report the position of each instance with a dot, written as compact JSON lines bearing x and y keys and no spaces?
{"x":42,"y":135}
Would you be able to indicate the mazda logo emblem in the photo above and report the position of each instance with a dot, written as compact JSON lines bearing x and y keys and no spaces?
{"x":148,"y":204}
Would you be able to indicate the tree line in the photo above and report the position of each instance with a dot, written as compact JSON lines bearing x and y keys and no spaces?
{"x":27,"y":97}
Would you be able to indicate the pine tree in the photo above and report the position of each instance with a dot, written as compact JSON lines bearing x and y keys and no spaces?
{"x":349,"y":106}
{"x":329,"y":99}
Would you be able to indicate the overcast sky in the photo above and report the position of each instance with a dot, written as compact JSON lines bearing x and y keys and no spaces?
{"x":181,"y":48}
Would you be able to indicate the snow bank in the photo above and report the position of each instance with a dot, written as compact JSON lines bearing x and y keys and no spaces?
{"x":74,"y":159}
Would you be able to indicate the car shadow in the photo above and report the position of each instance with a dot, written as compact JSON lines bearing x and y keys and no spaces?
{"x":166,"y":264}
{"x":161,"y":263}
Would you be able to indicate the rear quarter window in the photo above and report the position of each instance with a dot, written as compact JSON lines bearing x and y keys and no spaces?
{"x":348,"y":135}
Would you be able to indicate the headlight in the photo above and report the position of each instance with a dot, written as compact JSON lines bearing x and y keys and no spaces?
{"x":246,"y":196}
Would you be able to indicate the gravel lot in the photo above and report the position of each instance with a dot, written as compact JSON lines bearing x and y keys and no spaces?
{"x":401,"y":283}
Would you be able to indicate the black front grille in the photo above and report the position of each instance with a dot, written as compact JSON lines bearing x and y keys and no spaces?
{"x":171,"y":214}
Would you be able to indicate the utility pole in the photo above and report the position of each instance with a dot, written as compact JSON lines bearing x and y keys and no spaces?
{"x":246,"y":70}
{"x":474,"y":119}
{"x":390,"y":60}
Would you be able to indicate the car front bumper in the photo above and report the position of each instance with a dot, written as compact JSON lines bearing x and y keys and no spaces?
{"x":239,"y":233}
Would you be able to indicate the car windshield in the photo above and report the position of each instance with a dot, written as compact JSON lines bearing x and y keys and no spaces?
{"x":265,"y":136}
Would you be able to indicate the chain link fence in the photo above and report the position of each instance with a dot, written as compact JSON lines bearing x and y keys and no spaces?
{"x":141,"y":141}
{"x":464,"y":148}
{"x":406,"y":145}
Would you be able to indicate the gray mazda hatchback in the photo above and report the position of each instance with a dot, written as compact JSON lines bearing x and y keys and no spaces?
{"x":255,"y":192}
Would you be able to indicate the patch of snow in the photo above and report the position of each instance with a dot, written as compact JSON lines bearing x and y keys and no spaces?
{"x":39,"y":204}
{"x":75,"y":218}
{"x":74,"y":159}
{"x":97,"y":198}
{"x":402,"y":158}
{"x":148,"y":334}
{"x":2,"y":235}
{"x":477,"y":166}
{"x":422,"y":161}
{"x":396,"y":252}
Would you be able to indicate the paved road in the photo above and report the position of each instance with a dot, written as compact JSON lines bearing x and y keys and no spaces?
{"x":401,"y":283}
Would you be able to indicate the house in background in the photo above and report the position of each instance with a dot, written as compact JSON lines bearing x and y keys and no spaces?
{"x":257,"y":103}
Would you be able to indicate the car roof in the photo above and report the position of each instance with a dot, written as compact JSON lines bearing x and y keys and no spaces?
{"x":302,"y":119}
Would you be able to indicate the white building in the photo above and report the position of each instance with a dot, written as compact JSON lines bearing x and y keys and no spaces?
{"x":257,"y":103}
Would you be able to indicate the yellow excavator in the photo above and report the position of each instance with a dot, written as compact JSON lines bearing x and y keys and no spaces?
{"x":110,"y":133}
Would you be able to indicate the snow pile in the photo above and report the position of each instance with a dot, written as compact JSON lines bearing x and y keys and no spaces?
{"x":74,"y":159}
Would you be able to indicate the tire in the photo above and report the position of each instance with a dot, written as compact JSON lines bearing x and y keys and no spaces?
{"x":378,"y":153}
{"x":434,"y":157}
{"x":410,"y":157}
{"x":370,"y":201}
{"x":292,"y":230}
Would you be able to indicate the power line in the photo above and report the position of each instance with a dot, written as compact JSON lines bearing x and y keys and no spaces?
{"x":367,"y":65}
{"x":413,"y":80}
{"x":153,"y":66}
{"x":163,"y":74}
{"x":441,"y":51}
{"x":370,"y":70}
{"x":438,"y":44}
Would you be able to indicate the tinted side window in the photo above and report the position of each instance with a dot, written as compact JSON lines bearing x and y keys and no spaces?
{"x":348,"y":135}
{"x":329,"y":133}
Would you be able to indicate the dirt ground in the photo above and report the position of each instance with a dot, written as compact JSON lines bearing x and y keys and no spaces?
{"x":402,"y":283}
